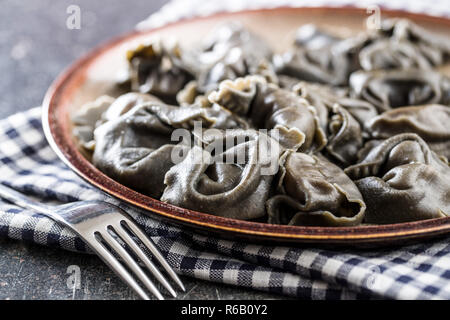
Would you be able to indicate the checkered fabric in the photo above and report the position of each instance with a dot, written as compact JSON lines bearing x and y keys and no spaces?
{"x":28,"y":165}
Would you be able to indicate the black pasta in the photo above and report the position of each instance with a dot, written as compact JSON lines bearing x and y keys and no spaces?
{"x":314,"y":191}
{"x":229,"y":52}
{"x":430,"y":122}
{"x":137,"y":148}
{"x":158,"y":69}
{"x":387,"y":89}
{"x":205,"y":181}
{"x":269,"y":106}
{"x":406,"y":30}
{"x":402,"y":180}
{"x":320,"y":57}
{"x":332,"y":132}
{"x":402,"y":44}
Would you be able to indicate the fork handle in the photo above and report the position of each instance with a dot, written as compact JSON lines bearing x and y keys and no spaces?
{"x":23,"y":201}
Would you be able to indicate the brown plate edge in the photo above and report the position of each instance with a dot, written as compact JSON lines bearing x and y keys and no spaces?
{"x":56,"y":132}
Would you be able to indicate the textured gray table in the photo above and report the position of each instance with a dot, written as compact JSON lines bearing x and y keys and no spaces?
{"x":35,"y":45}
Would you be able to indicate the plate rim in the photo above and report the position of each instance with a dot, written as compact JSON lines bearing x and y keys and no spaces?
{"x":55,"y":130}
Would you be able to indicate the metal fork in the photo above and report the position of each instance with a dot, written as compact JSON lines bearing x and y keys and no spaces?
{"x":101,"y":225}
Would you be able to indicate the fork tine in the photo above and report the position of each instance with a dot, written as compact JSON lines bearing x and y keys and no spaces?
{"x":116,"y":246}
{"x":154,"y":250}
{"x":115,"y":265}
{"x":141,"y":254}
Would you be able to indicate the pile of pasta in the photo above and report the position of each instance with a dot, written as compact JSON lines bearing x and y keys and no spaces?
{"x":363,"y":126}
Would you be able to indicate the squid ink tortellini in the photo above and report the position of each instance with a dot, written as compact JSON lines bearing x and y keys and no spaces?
{"x":320,"y":57}
{"x":158,"y":69}
{"x":430,"y":122}
{"x":324,"y":97}
{"x":269,"y":106}
{"x":125,"y":103}
{"x":397,"y":54}
{"x":332,"y":131}
{"x":104,"y":108}
{"x":136,"y":148}
{"x":229,"y":52}
{"x":344,"y":136}
{"x":237,"y":189}
{"x":402,"y":45}
{"x":404,"y":29}
{"x":87,"y":118}
{"x":398,"y":88}
{"x":314,"y":191}
{"x":343,"y":118}
{"x":402,"y":180}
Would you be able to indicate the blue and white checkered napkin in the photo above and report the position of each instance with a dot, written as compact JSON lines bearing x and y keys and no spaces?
{"x":28,"y":164}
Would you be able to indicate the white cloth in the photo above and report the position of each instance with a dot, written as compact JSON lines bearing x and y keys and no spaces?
{"x":182,"y":9}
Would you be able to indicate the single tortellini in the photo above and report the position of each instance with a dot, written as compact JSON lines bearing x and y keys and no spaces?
{"x":314,"y":192}
{"x":138,"y":148}
{"x":388,"y":89}
{"x":159,"y":69}
{"x":402,"y":180}
{"x":431,"y":122}
{"x":332,"y":132}
{"x":86,"y":120}
{"x":324,"y":97}
{"x":319,"y":57}
{"x":344,"y":137}
{"x":270,"y":107}
{"x":405,"y":30}
{"x":229,"y":52}
{"x":397,"y":54}
{"x":401,"y":44}
{"x":227,"y":176}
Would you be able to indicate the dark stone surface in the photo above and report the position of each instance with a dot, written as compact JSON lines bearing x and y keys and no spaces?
{"x":35,"y":46}
{"x":29,"y":271}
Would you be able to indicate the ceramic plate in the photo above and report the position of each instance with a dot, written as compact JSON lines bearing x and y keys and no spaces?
{"x":94,"y":74}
